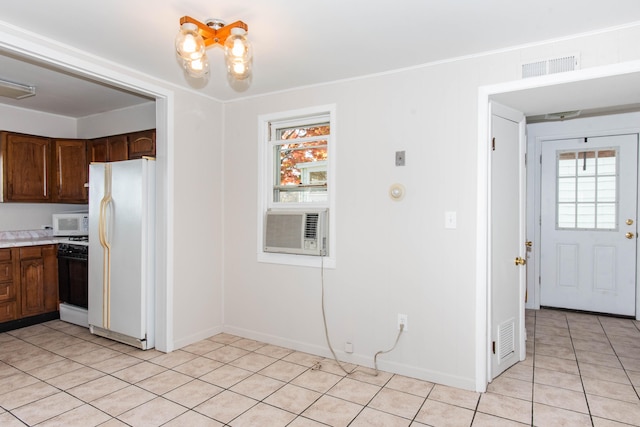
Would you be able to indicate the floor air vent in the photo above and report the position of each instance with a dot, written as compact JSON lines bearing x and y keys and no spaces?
{"x":506,"y":340}
{"x":551,"y":66}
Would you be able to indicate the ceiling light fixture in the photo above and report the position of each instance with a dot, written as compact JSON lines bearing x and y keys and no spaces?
{"x":16,"y":90}
{"x":194,"y":37}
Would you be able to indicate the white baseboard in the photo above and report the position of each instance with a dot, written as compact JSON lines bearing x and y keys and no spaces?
{"x":199,"y":336}
{"x":358,"y":359}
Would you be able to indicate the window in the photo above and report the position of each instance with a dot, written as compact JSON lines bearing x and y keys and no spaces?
{"x":300,"y":157}
{"x":587,"y":196}
{"x":297,"y":158}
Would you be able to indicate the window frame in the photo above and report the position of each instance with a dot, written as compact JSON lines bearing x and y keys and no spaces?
{"x":576,"y":203}
{"x":273,"y":142}
{"x":268,"y":169}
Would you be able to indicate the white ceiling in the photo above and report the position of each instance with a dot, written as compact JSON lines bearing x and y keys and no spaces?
{"x":296,"y":42}
{"x":597,"y":95}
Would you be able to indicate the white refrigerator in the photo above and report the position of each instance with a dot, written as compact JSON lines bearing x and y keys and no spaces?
{"x":122,"y":251}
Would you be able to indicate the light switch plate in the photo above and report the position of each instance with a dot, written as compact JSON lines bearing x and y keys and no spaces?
{"x":450,"y":220}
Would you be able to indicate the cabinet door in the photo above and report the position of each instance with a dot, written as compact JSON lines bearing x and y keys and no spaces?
{"x":26,"y":161}
{"x":8,"y":311}
{"x":142,"y":144}
{"x":50,"y":278}
{"x":71,"y":173}
{"x":38,"y":280}
{"x":118,"y":148}
{"x":98,"y":150}
{"x":7,"y":287}
{"x":9,"y":294}
{"x":109,"y":149}
{"x":32,"y":286}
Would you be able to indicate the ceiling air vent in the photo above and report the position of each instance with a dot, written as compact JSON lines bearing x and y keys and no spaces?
{"x":551,"y":66}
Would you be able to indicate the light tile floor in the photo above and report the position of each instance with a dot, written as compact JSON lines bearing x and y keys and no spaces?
{"x":581,"y":370}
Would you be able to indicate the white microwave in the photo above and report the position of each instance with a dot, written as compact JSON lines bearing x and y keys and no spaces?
{"x":71,"y":224}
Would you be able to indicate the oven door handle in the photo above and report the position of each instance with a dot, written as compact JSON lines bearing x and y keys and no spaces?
{"x":74,"y":257}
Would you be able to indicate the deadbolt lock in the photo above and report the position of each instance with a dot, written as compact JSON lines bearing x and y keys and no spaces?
{"x":520,"y":261}
{"x":629,"y":221}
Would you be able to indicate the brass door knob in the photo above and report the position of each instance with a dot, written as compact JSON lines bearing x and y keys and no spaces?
{"x":520,"y":261}
{"x":629,"y":235}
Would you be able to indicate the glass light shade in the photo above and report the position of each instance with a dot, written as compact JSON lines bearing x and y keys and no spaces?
{"x":238,"y":54}
{"x":189,"y":44}
{"x":197,"y":68}
{"x":239,"y":69}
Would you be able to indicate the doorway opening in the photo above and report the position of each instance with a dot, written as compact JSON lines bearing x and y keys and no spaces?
{"x":598,"y":88}
{"x":93,"y":71}
{"x":585,"y":265}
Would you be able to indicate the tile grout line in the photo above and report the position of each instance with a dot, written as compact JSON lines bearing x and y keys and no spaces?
{"x":533,"y":362}
{"x":584,"y":390}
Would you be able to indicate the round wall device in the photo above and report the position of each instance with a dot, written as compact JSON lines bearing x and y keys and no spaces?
{"x":396,"y":192}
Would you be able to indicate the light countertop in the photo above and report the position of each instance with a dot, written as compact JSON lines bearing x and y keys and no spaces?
{"x":28,"y":242}
{"x":12,"y":239}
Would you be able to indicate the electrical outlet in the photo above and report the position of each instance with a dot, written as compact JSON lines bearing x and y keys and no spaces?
{"x":400,"y":156}
{"x":348,"y":347}
{"x":403,"y":320}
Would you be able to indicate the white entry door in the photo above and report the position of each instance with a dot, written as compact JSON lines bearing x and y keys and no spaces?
{"x":588,"y":224}
{"x":507,"y":240}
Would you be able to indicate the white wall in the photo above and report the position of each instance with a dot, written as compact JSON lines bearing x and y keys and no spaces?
{"x":198,"y":218}
{"x":132,"y":119}
{"x":392,"y":257}
{"x":36,"y":123}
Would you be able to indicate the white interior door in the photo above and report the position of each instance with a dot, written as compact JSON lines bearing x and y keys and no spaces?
{"x":588,"y":224}
{"x":507,"y":238}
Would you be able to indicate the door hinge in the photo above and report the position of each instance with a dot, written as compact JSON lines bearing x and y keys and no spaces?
{"x":494,"y":347}
{"x":493,"y":144}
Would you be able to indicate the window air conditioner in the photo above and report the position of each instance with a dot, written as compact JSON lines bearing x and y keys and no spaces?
{"x":296,"y":232}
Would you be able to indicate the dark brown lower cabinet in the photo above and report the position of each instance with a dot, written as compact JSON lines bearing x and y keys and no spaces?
{"x":28,"y":282}
{"x":9,"y":309}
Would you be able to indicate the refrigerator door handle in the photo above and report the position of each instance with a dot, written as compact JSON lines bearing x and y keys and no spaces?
{"x":106,"y":245}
